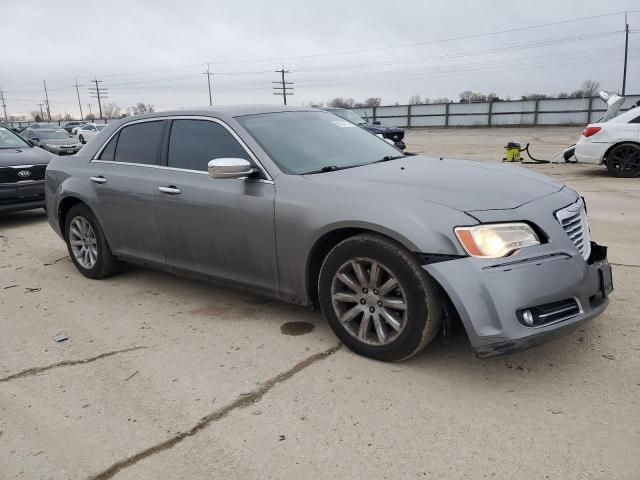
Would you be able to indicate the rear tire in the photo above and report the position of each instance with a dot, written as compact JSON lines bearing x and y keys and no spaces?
{"x":366,"y":312}
{"x":81,"y":139}
{"x":87,"y":245}
{"x":623,"y":160}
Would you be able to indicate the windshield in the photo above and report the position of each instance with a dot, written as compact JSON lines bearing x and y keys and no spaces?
{"x":8,"y":139}
{"x":56,"y":135}
{"x":349,"y":115}
{"x":304,"y":142}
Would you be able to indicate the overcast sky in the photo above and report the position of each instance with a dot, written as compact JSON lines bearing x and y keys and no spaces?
{"x":156,"y":51}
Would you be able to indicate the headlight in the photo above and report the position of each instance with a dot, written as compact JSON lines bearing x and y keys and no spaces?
{"x":50,"y":146}
{"x":496,"y":240}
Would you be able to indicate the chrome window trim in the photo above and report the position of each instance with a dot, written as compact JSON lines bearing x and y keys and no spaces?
{"x":264,"y":171}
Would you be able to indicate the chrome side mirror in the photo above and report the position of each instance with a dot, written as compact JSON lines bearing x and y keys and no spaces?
{"x":229,"y":168}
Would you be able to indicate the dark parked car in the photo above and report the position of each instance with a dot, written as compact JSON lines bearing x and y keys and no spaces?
{"x":22,"y":168}
{"x":395,"y":134}
{"x":56,"y":141}
{"x":69,"y":126}
{"x":301,"y":205}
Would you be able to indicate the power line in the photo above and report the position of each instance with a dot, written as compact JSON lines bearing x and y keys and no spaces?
{"x":78,"y":94}
{"x":283,"y":90}
{"x":4,"y":105}
{"x":209,"y":74}
{"x":99,"y":93}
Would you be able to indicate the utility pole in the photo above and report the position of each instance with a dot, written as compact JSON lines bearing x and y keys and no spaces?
{"x":99,"y":93}
{"x":626,"y":54}
{"x":78,"y":93}
{"x":41,"y":112}
{"x":4,"y":105}
{"x":283,"y":89}
{"x":209,"y":74}
{"x":89,"y":107}
{"x":46,"y":95}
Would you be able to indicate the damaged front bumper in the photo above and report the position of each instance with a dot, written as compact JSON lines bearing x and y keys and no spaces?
{"x":559,"y":289}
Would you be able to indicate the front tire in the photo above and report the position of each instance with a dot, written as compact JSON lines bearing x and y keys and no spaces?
{"x":81,"y":139}
{"x":377,"y":299}
{"x":624,"y":160}
{"x":87,"y":245}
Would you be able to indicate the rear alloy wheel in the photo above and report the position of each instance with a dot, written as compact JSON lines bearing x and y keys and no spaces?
{"x":81,"y":138}
{"x":87,"y":244}
{"x":377,"y":298}
{"x":624,"y":160}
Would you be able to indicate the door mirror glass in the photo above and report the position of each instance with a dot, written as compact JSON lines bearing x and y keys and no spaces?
{"x":229,"y":168}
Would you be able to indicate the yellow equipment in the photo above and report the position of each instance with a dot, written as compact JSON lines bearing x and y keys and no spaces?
{"x":512,"y":152}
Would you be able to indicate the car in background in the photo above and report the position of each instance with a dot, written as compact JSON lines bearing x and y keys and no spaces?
{"x":88,"y":131}
{"x":70,"y":126}
{"x":392,"y":247}
{"x":55,"y":141}
{"x":40,"y":126}
{"x":22,"y":169}
{"x":614,"y":143}
{"x":395,"y":134}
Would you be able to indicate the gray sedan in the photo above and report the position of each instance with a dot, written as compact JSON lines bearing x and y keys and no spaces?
{"x":55,"y":141}
{"x":300,"y":205}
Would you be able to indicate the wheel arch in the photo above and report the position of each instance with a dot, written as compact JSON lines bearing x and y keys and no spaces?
{"x":66,"y":204}
{"x":606,"y":153}
{"x":329,"y":239}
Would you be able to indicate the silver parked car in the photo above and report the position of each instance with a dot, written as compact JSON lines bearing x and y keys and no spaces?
{"x":301,"y":205}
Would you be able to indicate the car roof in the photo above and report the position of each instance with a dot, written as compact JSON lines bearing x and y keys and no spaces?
{"x":627,"y":116}
{"x":227,"y":110}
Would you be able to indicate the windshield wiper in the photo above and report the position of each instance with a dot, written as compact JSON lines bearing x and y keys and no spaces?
{"x":389,"y":157}
{"x":328,"y":168}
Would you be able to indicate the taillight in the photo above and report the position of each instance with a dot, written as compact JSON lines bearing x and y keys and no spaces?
{"x":589,"y":131}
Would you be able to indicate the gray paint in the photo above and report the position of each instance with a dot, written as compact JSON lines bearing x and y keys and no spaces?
{"x":259,"y":234}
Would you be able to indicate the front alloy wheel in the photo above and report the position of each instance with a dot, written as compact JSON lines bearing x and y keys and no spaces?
{"x":369,"y":301}
{"x":378,"y":299}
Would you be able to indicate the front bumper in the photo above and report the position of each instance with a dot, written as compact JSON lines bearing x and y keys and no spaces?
{"x":21,"y":196}
{"x":488,"y":295}
{"x":63,"y":151}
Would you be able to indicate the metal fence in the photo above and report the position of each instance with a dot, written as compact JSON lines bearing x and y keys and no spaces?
{"x":557,"y":111}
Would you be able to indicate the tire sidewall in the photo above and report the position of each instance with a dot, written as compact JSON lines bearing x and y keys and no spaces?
{"x":103,"y":250}
{"x":413,"y":283}
{"x":615,"y":172}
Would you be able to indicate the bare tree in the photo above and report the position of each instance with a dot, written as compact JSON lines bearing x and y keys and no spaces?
{"x":415,"y":100}
{"x":440,"y":100}
{"x":590,"y":88}
{"x":141,"y":108}
{"x":36,"y":115}
{"x":373,"y":102}
{"x":466,"y":96}
{"x":340,"y":102}
{"x":90,"y":116}
{"x":111,"y":110}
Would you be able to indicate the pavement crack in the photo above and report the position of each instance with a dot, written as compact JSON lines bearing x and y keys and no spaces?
{"x":66,"y":363}
{"x":244,"y":400}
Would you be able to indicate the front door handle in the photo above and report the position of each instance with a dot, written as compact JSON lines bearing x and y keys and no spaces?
{"x":171,"y":190}
{"x":99,"y":179}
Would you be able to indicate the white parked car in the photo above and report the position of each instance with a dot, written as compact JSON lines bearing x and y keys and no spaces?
{"x":614,"y":143}
{"x":88,"y":131}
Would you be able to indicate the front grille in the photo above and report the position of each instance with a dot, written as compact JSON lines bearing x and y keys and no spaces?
{"x":549,"y":313}
{"x":574,"y":222}
{"x":15,"y":174}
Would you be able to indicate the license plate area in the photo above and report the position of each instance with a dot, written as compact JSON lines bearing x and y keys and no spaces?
{"x":30,"y":191}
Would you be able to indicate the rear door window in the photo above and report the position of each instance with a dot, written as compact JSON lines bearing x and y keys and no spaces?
{"x":140,"y":143}
{"x":193,"y":143}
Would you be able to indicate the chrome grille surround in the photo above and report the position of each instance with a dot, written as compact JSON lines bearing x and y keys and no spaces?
{"x":574,"y":222}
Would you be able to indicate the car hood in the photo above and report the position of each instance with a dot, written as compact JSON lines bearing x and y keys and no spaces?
{"x":59,"y":141}
{"x":23,"y":156}
{"x":460,"y":184}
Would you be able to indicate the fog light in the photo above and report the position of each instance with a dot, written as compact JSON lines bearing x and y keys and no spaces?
{"x":527,"y":317}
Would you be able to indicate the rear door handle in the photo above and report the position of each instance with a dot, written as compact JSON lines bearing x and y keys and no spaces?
{"x":171,"y":190}
{"x":99,"y":179}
